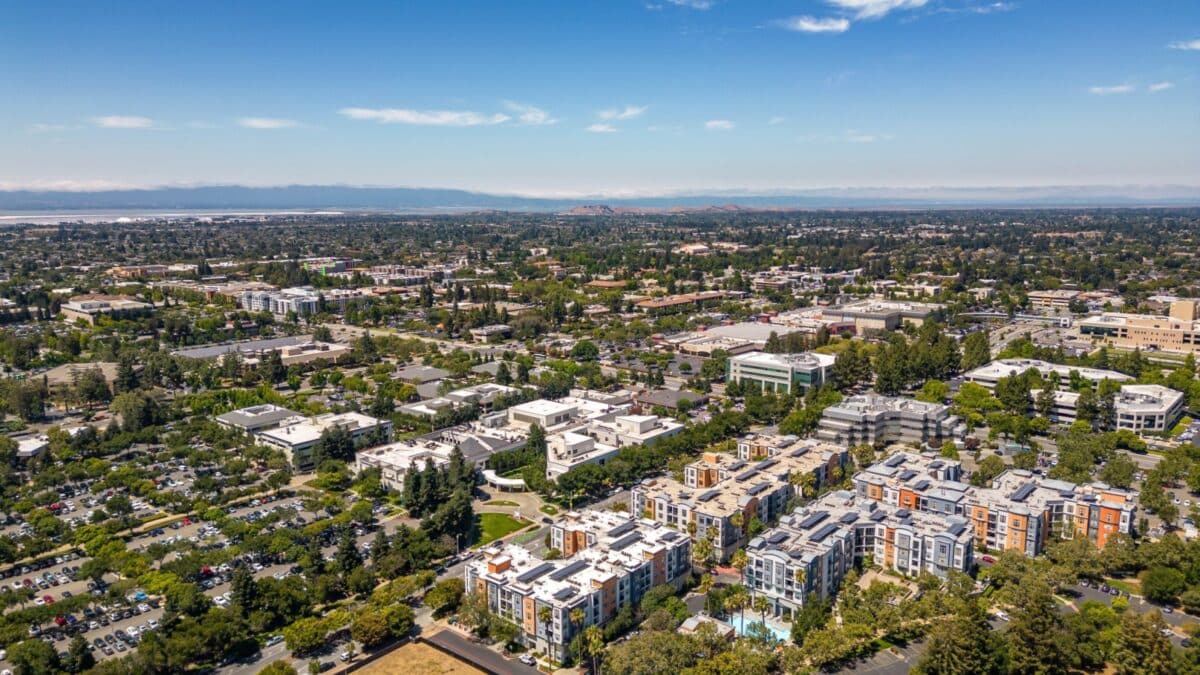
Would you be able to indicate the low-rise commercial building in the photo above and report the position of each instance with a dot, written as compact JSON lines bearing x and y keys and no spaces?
{"x":258,"y":418}
{"x":88,"y":308}
{"x":874,"y":314}
{"x":780,"y":373}
{"x":988,"y":375}
{"x":1139,"y":408}
{"x":1055,"y":299}
{"x":869,"y":419}
{"x":298,"y":440}
{"x":813,"y":548}
{"x":475,"y":442}
{"x":616,"y":560}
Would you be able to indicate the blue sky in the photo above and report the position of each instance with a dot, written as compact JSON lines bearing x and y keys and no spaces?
{"x":607,"y":97}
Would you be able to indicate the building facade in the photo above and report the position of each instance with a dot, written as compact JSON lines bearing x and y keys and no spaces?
{"x":780,"y":373}
{"x":869,"y":419}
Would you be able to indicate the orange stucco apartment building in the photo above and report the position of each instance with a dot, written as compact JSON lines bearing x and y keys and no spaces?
{"x":1018,"y":511}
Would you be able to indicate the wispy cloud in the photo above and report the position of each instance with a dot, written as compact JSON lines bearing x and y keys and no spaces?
{"x":1111,"y":89}
{"x":719,"y":125}
{"x":627,"y":113}
{"x":811,"y":24}
{"x":853,"y":136}
{"x":437,"y":118}
{"x":266,"y":123}
{"x":692,"y":4}
{"x":123,"y":122}
{"x":528,"y":114}
{"x":40,"y":128}
{"x":1186,"y":45}
{"x":601,"y":128}
{"x":875,"y":9}
{"x":850,"y":136}
{"x":776,"y":120}
{"x":1159,"y":86}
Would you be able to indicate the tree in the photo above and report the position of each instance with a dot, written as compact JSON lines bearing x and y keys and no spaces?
{"x":280,"y":667}
{"x":305,"y":635}
{"x":1141,"y":647}
{"x":244,"y":589}
{"x":933,"y":391}
{"x":33,"y":657}
{"x":79,"y":655}
{"x":445,"y":596}
{"x":585,"y":350}
{"x":348,"y":556}
{"x":963,"y":645}
{"x":1119,"y":471}
{"x":976,"y":351}
{"x":369,"y":628}
{"x":1163,"y":584}
{"x":593,"y":645}
{"x":989,"y":467}
{"x":1035,"y":632}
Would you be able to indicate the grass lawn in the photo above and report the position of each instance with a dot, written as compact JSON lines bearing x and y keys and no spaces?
{"x":548,"y":509}
{"x":1131,"y":586}
{"x":500,"y":502}
{"x":492,"y":526}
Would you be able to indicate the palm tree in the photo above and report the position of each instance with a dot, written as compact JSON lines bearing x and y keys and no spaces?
{"x":761,"y":605}
{"x":737,"y":601}
{"x":577,"y":617}
{"x":544,"y":615}
{"x":740,"y":560}
{"x":706,"y":584}
{"x":593,"y":643}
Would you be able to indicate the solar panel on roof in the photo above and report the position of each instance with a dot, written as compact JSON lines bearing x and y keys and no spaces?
{"x":777,"y":537}
{"x":848,"y":517}
{"x":564,"y":593}
{"x":736,"y":465}
{"x":894,"y":461}
{"x":907,"y":474}
{"x":622,"y":528}
{"x":956,"y":528}
{"x":625,"y":541}
{"x":766,"y":464}
{"x":564,"y":572}
{"x":670,"y":535}
{"x":529,"y":575}
{"x":878,"y":515}
{"x":813,"y":519}
{"x":708,"y":495}
{"x":903,"y":513}
{"x":824,"y":532}
{"x":1023,"y":492}
{"x":756,"y":488}
{"x":798,"y":453}
{"x":747,"y":475}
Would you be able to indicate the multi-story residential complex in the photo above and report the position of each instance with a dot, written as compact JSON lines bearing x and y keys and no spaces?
{"x":88,"y":308}
{"x":258,"y":418}
{"x":720,"y":494}
{"x":616,"y":560}
{"x":476,"y":442}
{"x":1178,"y":332}
{"x":869,"y":419}
{"x":298,"y":440}
{"x":1019,"y":510}
{"x":780,"y":373}
{"x":1137,"y":407}
{"x":814,"y":547}
{"x":988,"y":375}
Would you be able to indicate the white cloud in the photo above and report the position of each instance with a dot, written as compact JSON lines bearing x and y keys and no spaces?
{"x":1187,"y":45}
{"x":599,"y":128}
{"x":811,"y":24}
{"x":1113,"y":89}
{"x":776,"y":120}
{"x":123,"y":122}
{"x":438,"y":118}
{"x":627,"y":113}
{"x":528,"y":114}
{"x":692,"y":4}
{"x":266,"y":123}
{"x":718,"y":125}
{"x":858,"y":137}
{"x":1159,"y":86}
{"x":875,"y":9}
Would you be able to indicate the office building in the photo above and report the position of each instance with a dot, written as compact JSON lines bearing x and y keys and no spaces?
{"x":780,"y":373}
{"x":878,"y":315}
{"x":1178,"y":332}
{"x":476,"y":442}
{"x":88,"y":308}
{"x":988,"y":375}
{"x":258,"y":418}
{"x":1140,"y":408}
{"x":869,"y":419}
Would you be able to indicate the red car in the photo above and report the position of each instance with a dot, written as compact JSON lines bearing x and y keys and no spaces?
{"x":987,"y":559}
{"x":49,"y":600}
{"x":60,"y":620}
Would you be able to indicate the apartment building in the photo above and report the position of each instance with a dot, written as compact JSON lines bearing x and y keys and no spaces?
{"x":988,"y":375}
{"x":1178,"y":332}
{"x":780,"y":373}
{"x":813,"y":548}
{"x":617,"y":560}
{"x":298,"y":440}
{"x":719,"y":490}
{"x":1018,"y":511}
{"x":869,"y":419}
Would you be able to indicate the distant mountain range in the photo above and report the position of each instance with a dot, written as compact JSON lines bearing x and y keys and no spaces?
{"x":307,"y":197}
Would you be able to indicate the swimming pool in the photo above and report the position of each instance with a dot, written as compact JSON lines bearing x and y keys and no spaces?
{"x":781,"y":633}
